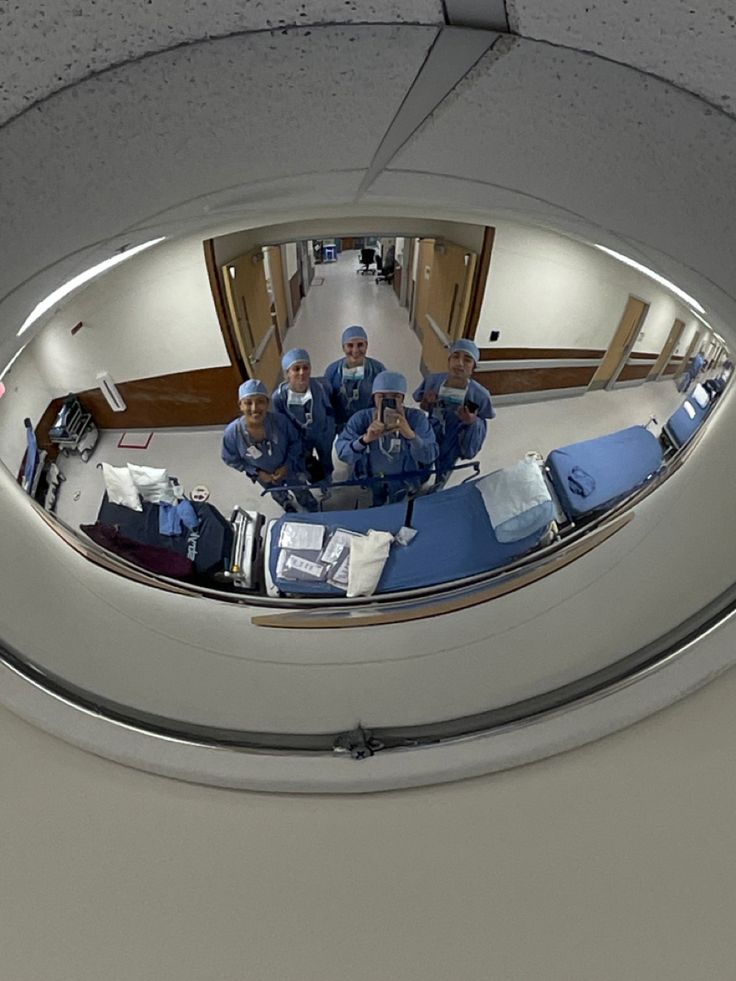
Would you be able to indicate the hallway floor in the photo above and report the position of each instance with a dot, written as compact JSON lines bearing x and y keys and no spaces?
{"x":339,"y":296}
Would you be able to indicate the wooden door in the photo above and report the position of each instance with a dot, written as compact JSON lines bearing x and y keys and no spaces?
{"x":278,"y":288}
{"x":691,"y":349}
{"x":249,"y":305}
{"x":666,"y":353}
{"x":445,"y":296}
{"x":621,"y":344}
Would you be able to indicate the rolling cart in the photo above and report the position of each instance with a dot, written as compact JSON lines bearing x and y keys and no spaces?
{"x":74,"y":430}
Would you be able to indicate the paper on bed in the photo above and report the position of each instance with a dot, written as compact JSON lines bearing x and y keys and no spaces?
{"x":290,"y":565}
{"x":302,"y":536}
{"x":689,"y":409}
{"x":517,"y":500}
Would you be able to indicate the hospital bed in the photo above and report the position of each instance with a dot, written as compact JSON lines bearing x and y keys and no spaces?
{"x":454,"y":536}
{"x":596,"y":473}
{"x":222,"y":551}
{"x":454,"y":540}
{"x":687,"y":419}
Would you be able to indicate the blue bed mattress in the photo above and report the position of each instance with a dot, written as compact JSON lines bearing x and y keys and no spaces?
{"x":595,"y":473}
{"x":455,"y":539}
{"x":681,"y":427}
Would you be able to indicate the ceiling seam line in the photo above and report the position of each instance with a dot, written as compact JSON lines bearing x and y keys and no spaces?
{"x":367,"y":183}
{"x":286,"y":29}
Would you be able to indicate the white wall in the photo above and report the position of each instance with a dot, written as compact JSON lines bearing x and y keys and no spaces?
{"x":153,"y":315}
{"x":546,"y":290}
{"x":291,"y":259}
{"x":26,"y":395}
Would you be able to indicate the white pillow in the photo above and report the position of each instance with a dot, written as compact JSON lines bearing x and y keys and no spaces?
{"x":120,"y":487}
{"x":152,"y":484}
{"x":701,"y":396}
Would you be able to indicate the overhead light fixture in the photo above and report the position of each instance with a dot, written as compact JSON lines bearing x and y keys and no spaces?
{"x":12,"y":361}
{"x":685,"y":297}
{"x":80,"y":280}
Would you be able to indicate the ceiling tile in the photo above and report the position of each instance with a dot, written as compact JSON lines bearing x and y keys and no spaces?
{"x":692,"y":44}
{"x":46,"y":45}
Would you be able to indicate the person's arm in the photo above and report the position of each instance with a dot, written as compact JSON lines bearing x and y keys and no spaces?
{"x":471,"y":437}
{"x":423,"y":444}
{"x":230,"y":450}
{"x":353,"y":442}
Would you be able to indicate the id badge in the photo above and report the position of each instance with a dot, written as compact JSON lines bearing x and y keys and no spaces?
{"x":254,"y":453}
{"x":395,"y":446}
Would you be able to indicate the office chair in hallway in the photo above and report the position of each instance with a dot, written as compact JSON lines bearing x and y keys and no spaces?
{"x":367,"y":257}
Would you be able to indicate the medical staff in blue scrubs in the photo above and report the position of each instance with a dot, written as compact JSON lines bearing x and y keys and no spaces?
{"x":458,"y":408}
{"x":305,"y":402}
{"x":388,"y":440}
{"x":266,"y":447}
{"x":349,"y":381}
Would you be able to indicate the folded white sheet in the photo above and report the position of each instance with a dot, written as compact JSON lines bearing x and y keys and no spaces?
{"x":689,"y":409}
{"x":517,"y":500}
{"x":367,"y":558}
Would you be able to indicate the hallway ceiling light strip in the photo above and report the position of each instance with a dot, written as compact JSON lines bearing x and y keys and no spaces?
{"x":53,"y":298}
{"x":685,"y":297}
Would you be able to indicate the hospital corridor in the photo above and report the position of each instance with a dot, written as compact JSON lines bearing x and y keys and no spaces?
{"x":367,"y":404}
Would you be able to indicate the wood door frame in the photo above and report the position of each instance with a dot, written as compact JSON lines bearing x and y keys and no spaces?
{"x":668,"y":348}
{"x":480,"y":282}
{"x":608,"y":381}
{"x":227,"y":328}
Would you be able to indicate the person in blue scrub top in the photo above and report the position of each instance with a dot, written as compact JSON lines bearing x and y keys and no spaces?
{"x":458,"y":408}
{"x":349,"y":380}
{"x":388,"y":440}
{"x":305,"y":402}
{"x":266,"y":447}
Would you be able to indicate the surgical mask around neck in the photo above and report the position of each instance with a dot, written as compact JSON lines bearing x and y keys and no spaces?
{"x":299,"y":398}
{"x":353,"y":374}
{"x":451,"y":396}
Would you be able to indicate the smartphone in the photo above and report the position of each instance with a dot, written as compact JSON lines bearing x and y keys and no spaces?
{"x":471,"y":406}
{"x":389,"y":412}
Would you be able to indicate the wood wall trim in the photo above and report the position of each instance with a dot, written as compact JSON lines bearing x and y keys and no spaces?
{"x":480,"y":280}
{"x":223,"y":318}
{"x":631,"y":371}
{"x":539,"y":353}
{"x":207,"y":397}
{"x":521,"y":380}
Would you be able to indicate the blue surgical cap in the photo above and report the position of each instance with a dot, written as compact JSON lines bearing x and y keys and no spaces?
{"x":356,"y":332}
{"x":389,"y":381}
{"x":468,"y":347}
{"x":252,"y":387}
{"x":293,"y":356}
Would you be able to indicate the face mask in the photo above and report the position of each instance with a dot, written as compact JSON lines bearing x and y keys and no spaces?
{"x":451,"y":396}
{"x":353,"y":374}
{"x":299,"y":398}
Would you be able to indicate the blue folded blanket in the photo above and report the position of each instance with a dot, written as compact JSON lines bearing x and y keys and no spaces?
{"x":580,"y":482}
{"x":171,"y":518}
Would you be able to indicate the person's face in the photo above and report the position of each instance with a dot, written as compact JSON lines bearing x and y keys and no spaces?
{"x":355,"y":351}
{"x":298,"y":376}
{"x":460,"y":365}
{"x":254,"y":409}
